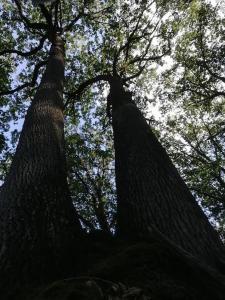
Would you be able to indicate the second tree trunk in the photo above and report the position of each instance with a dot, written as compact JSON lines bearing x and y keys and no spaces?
{"x":150,"y":191}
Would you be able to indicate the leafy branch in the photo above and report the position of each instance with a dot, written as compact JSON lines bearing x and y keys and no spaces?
{"x":28,"y":53}
{"x":26,"y":84}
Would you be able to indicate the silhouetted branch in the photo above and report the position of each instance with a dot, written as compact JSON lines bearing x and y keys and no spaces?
{"x":27,"y":84}
{"x":86,"y":222}
{"x":127,"y":44}
{"x":204,"y":63}
{"x":85,"y":84}
{"x":25,"y":54}
{"x":73,"y":22}
{"x":47,"y":15}
{"x":26,"y":21}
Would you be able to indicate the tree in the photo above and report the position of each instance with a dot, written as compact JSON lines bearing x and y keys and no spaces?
{"x":126,"y":44}
{"x":37,"y":212}
{"x":51,"y":226}
{"x":150,"y":192}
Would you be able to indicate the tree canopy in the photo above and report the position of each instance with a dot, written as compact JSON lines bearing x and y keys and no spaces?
{"x":177,"y":51}
{"x":97,"y":59}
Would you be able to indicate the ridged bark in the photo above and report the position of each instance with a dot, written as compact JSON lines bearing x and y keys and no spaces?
{"x":150,"y":191}
{"x":38,"y":223}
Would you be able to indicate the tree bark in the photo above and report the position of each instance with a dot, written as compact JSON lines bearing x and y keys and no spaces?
{"x":38,"y":222}
{"x":150,"y":191}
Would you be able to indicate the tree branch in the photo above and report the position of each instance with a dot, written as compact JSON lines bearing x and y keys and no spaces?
{"x":26,"y":21}
{"x":127,"y":44}
{"x":138,"y":73}
{"x":71,"y":24}
{"x":27,"y":84}
{"x":205,"y":65}
{"x":86,"y":222}
{"x":47,"y":15}
{"x":85,"y":84}
{"x":25,"y":54}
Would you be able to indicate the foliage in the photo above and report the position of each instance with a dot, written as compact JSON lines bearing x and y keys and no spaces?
{"x":90,"y":164}
{"x":170,"y":54}
{"x":192,"y":103}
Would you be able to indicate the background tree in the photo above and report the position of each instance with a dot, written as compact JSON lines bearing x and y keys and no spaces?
{"x":141,"y":203}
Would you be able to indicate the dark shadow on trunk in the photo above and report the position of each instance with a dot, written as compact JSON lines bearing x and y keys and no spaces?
{"x":38,"y":224}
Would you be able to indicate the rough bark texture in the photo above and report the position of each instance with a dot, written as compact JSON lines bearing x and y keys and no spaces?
{"x":151,"y":193}
{"x":38,"y":223}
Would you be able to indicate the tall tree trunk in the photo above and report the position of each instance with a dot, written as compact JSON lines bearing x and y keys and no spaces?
{"x":150,"y":191}
{"x":38,"y":223}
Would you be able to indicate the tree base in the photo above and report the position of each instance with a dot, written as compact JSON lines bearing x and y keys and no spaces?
{"x":141,"y":270}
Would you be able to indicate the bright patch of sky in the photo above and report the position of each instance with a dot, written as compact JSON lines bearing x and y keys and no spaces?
{"x":220,"y":4}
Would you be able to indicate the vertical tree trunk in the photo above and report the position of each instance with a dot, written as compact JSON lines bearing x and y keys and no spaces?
{"x":150,"y":191}
{"x":38,"y":223}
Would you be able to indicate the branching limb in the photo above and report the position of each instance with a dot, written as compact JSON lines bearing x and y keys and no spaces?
{"x":73,"y":22}
{"x":86,"y":84}
{"x":145,"y":59}
{"x":138,"y":73}
{"x":133,"y":38}
{"x":212,"y":138}
{"x":47,"y":15}
{"x":27,"y":84}
{"x":91,"y":16}
{"x":203,"y":62}
{"x":86,"y":222}
{"x":26,"y":21}
{"x":25,"y":54}
{"x":207,"y":96}
{"x":205,"y":65}
{"x":127,"y":44}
